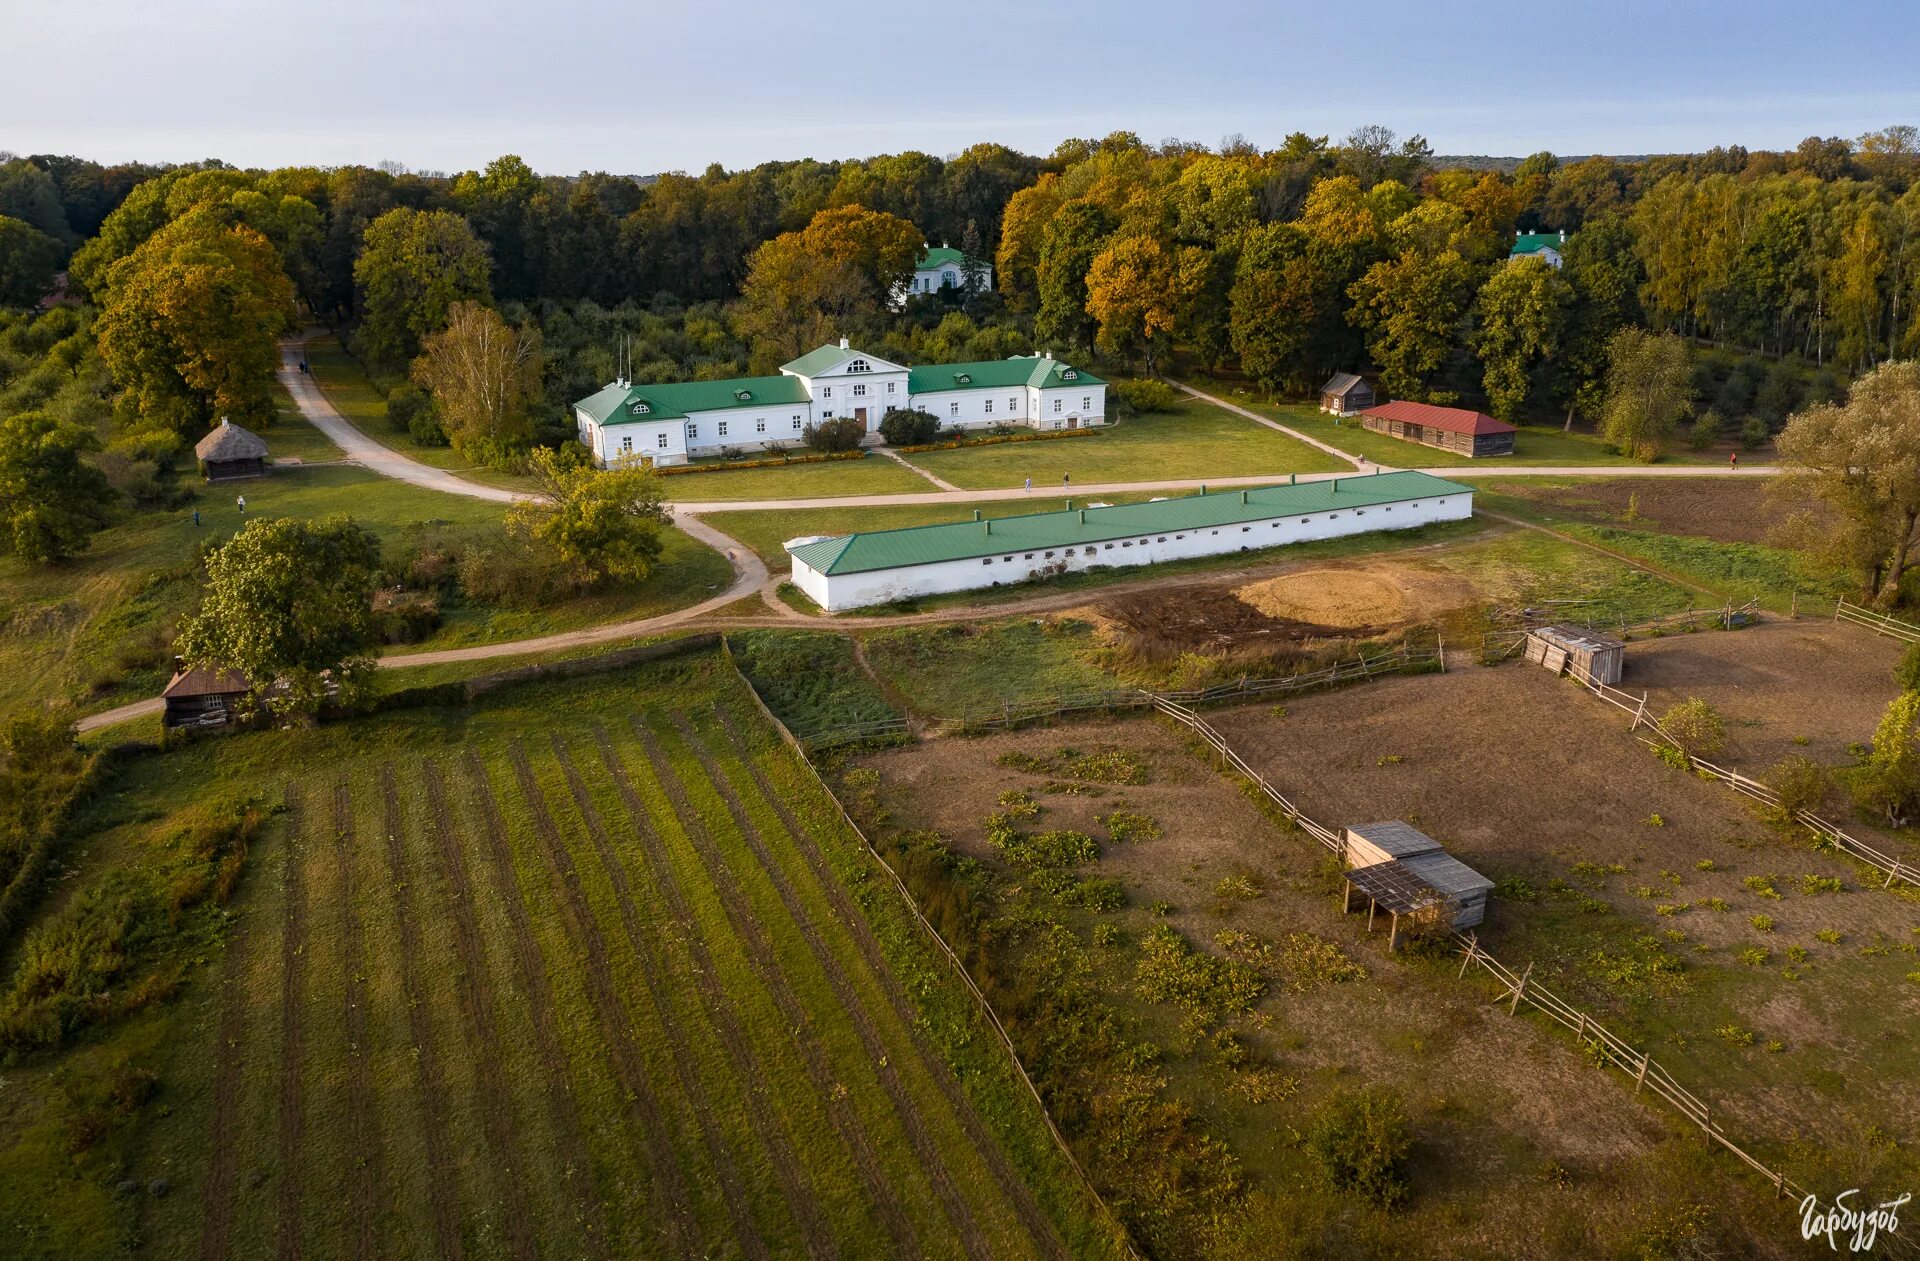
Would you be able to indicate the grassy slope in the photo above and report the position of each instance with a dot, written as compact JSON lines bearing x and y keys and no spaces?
{"x":98,"y":628}
{"x":413,"y":1142}
{"x":1195,"y":440}
{"x":875,"y":475}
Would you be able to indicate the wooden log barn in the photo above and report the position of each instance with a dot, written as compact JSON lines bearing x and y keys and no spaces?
{"x":1570,"y":649}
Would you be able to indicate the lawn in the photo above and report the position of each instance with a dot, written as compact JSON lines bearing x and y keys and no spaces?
{"x":1534,"y":444}
{"x":947,"y":671}
{"x":875,"y":475}
{"x":590,"y":968}
{"x":1195,"y":440}
{"x":98,"y":630}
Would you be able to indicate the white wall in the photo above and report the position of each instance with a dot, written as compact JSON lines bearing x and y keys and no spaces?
{"x":848,"y":591}
{"x":1016,"y":405}
{"x":743,"y":428}
{"x":841,"y":393}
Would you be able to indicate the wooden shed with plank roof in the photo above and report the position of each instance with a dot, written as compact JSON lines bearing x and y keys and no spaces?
{"x":1346,"y":393}
{"x":203,"y":696}
{"x":1398,"y":867}
{"x":231,"y":452}
{"x":1585,"y":654}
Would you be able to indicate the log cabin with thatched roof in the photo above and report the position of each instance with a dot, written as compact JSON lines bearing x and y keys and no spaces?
{"x":230,"y":452}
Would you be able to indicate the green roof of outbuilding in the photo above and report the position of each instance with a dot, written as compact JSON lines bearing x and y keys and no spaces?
{"x":640,"y":404}
{"x":997,"y":374}
{"x":1534,"y":242}
{"x":967,"y":540}
{"x":938,"y":255}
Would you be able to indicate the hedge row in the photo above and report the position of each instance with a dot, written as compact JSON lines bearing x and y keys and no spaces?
{"x":956,"y":443}
{"x":676,"y":470}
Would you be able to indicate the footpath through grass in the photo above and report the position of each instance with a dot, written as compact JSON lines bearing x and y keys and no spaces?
{"x":590,"y":968}
{"x":1195,"y":440}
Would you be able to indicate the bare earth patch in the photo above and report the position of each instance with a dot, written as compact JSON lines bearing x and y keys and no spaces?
{"x":1725,"y":509}
{"x":1353,"y":597}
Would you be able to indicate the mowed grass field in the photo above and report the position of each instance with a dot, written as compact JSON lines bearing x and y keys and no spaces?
{"x":592,"y":970}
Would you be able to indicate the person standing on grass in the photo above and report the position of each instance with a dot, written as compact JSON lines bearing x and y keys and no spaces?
{"x":196,"y":518}
{"x":241,"y":502}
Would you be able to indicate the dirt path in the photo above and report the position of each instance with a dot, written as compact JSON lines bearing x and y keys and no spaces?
{"x":911,"y":467}
{"x":725,"y":1019}
{"x":473,"y":991}
{"x":216,"y":1201}
{"x":673,"y":1199}
{"x":932,"y":1160}
{"x":766,"y":966}
{"x":1039,"y":1229}
{"x":1622,"y":557}
{"x":293,"y":1049}
{"x":1268,"y":421}
{"x":562,"y":1107}
{"x":426,"y":1049}
{"x":653,"y":974}
{"x":362,"y":1136}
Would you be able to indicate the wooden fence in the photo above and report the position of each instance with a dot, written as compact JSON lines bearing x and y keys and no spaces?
{"x":1878,"y":623}
{"x":1519,"y":988}
{"x":946,"y":953}
{"x":1500,"y":645}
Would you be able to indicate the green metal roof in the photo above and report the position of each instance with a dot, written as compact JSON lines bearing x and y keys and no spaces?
{"x":968,"y":540}
{"x":814,"y":362}
{"x":640,"y":404}
{"x":937,"y":256}
{"x":1534,"y":242}
{"x":997,"y":374}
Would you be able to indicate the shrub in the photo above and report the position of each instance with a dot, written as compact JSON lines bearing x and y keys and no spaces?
{"x":1136,"y":397}
{"x":410,"y":410}
{"x":1754,"y":434}
{"x":842,"y":433}
{"x":1124,"y":825}
{"x":1763,"y":886}
{"x":517,"y":576}
{"x":1705,"y":431}
{"x":1172,"y":971}
{"x":1696,"y":727}
{"x":907,"y":426}
{"x":1362,"y":1141}
{"x":1735,"y":1034}
{"x":1239,"y":887}
{"x":1801,"y":784}
{"x":1906,"y":672}
{"x":404,"y":617}
{"x":1762,"y":922}
{"x":1811,"y":885}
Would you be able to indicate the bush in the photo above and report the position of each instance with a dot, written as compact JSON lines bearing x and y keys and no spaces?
{"x":1136,"y":397}
{"x":514,"y":575}
{"x":1801,"y":784}
{"x":410,"y":409}
{"x":843,"y":433}
{"x":404,"y":617}
{"x":906,"y":427}
{"x":1754,"y":434}
{"x":1906,"y":672}
{"x":1696,"y":727}
{"x":1705,"y":431}
{"x":1362,"y":1142}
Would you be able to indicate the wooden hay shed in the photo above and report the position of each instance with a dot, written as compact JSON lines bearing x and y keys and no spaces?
{"x":1394,"y":887}
{"x":203,"y":696}
{"x":1464,"y":889}
{"x":1370,"y":843}
{"x":1346,"y":393}
{"x":1569,"y":649}
{"x":231,"y":452}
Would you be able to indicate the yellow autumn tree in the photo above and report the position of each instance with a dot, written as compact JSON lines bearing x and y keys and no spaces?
{"x":1136,"y":291}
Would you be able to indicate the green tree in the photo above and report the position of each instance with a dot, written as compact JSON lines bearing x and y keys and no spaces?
{"x":413,"y":266}
{"x":485,"y":379}
{"x":51,"y":499}
{"x":1648,"y":392}
{"x":290,"y":605}
{"x":1518,"y":320}
{"x":1605,"y":277}
{"x":1862,"y":461}
{"x":1136,"y":291}
{"x":803,"y":287}
{"x":29,"y":258}
{"x":598,"y":524}
{"x":189,"y":321}
{"x":1072,"y":240}
{"x":1411,"y":310}
{"x":1889,"y":783}
{"x":1279,"y":293}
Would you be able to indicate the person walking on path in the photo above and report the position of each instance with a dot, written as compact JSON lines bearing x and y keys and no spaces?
{"x":1066,"y":480}
{"x":1733,"y":459}
{"x":1029,"y":485}
{"x":241,"y":502}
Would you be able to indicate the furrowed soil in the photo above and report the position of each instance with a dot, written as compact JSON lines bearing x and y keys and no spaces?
{"x":1517,"y":1136}
{"x":592,"y":992}
{"x":1724,"y":509}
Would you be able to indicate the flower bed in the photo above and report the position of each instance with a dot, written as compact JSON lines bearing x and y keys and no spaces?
{"x":676,"y":470}
{"x":956,"y":443}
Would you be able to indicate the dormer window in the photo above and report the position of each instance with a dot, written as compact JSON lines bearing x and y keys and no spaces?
{"x":639,"y":407}
{"x":1068,"y":374}
{"x":744,"y":396}
{"x":962,"y":378}
{"x":859,"y":365}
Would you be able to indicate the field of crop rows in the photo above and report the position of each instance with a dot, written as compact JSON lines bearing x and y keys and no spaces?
{"x":590,"y":986}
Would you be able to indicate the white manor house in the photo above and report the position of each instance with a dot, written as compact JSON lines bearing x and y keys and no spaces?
{"x":678,"y":421}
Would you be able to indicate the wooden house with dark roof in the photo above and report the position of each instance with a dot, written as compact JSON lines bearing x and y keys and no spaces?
{"x":1346,"y":393}
{"x":230,"y":452}
{"x":203,"y":696}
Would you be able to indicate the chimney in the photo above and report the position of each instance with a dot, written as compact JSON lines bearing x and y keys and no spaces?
{"x":989,"y":525}
{"x":1563,"y":236}
{"x":976,"y":514}
{"x":1069,"y":505}
{"x":1293,"y":479}
{"x":843,"y":344}
{"x":224,"y":422}
{"x":1243,"y":496}
{"x":1083,"y":516}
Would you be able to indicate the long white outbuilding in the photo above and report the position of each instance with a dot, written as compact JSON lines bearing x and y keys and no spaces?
{"x":855,"y":570}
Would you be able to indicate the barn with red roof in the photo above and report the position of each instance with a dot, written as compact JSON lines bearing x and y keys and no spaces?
{"x":1454,"y":429}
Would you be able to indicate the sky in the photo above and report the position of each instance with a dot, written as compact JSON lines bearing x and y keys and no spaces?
{"x":639,"y":88}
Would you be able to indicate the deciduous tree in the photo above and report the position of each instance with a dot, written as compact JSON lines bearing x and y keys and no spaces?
{"x":51,"y":499}
{"x":413,"y":266}
{"x":484,"y":377}
{"x":290,"y":605}
{"x":599,"y":524}
{"x":1648,"y":392}
{"x":29,"y":258}
{"x":1518,"y":319}
{"x":1411,"y":310}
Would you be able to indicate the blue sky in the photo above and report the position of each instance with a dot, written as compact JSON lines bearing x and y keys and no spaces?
{"x":637,"y":87}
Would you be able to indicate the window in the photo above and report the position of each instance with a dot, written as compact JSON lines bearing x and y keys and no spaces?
{"x":693,"y":432}
{"x":1056,"y":404}
{"x":860,"y":389}
{"x":1161,"y":539}
{"x":1049,"y":555}
{"x":1086,"y":402}
{"x":826,"y":413}
{"x":1305,"y":520}
{"x":723,"y":429}
{"x":1013,"y":405}
{"x":759,"y":426}
{"x":986,"y":560}
{"x":626,"y":444}
{"x":1109,"y":547}
{"x":890,"y":386}
{"x":826,"y":391}
{"x":1126,"y":544}
{"x":953,"y":409}
{"x":987,"y":406}
{"x":1029,"y":556}
{"x":663,"y":438}
{"x":1006,"y":558}
{"x":796,"y":422}
{"x":859,"y":365}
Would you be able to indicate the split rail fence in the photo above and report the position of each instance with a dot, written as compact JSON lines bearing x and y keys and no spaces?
{"x":1878,"y":623}
{"x":1500,"y":645}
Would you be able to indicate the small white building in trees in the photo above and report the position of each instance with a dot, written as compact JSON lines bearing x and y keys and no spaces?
{"x":674,"y":422}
